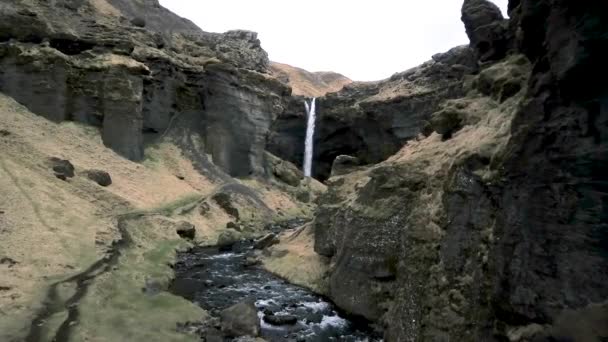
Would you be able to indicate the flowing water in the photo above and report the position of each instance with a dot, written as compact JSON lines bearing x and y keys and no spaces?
{"x":216,"y":280}
{"x":310,"y":133}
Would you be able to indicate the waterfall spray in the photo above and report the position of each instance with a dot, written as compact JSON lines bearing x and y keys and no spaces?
{"x":310,"y":133}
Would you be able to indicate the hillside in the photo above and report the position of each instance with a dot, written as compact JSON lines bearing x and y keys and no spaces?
{"x":308,"y":84}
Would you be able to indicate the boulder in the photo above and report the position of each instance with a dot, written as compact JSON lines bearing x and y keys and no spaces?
{"x":186,"y":230}
{"x":266,"y":241}
{"x":241,"y":320}
{"x":100,"y":177}
{"x":63,"y":168}
{"x":228,"y":238}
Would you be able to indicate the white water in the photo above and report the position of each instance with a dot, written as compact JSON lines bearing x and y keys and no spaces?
{"x":310,"y":133}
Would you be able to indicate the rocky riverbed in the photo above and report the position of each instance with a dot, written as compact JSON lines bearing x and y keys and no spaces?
{"x":217,"y":280}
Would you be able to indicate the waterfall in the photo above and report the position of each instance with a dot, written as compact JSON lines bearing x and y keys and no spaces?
{"x":310,"y":133}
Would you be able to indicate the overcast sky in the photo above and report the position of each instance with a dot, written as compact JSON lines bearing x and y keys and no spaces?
{"x":362,"y":39}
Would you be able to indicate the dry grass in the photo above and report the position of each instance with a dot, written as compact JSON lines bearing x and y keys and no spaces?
{"x":295,"y":260}
{"x":310,"y":84}
{"x":53,"y":228}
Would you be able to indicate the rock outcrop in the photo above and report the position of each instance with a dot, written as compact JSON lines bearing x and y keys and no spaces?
{"x":86,"y":61}
{"x":493,"y":227}
{"x":371,"y":121}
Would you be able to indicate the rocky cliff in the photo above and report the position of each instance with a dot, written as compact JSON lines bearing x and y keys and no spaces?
{"x":139,"y":72}
{"x":493,"y":226}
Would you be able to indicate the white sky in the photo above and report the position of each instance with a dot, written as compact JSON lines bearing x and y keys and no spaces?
{"x":362,"y":39}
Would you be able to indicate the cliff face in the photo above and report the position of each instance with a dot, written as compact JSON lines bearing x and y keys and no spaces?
{"x":137,"y":71}
{"x":372,"y":120}
{"x":493,"y":227}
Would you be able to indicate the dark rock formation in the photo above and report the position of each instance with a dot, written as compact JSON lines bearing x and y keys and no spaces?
{"x":499,"y":232}
{"x":371,"y":121}
{"x":241,"y":320}
{"x":100,"y":177}
{"x":140,"y":74}
{"x":488,"y":31}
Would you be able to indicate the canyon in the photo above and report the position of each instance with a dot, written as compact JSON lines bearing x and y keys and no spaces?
{"x":463,"y":199}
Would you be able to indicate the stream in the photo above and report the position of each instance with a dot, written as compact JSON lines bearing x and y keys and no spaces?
{"x":216,"y":280}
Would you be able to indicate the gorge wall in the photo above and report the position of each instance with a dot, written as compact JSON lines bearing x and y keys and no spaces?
{"x":493,"y":226}
{"x":139,"y":72}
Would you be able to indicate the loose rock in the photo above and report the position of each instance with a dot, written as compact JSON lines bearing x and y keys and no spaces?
{"x":186,"y":230}
{"x":63,"y":168}
{"x":100,"y":177}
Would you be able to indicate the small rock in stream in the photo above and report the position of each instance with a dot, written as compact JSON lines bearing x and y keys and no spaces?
{"x":280,"y":319}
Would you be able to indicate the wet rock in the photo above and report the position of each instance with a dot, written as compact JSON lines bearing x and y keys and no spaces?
{"x":241,"y":320}
{"x":186,"y":230}
{"x":344,"y":164}
{"x":100,"y":177}
{"x":266,"y":241}
{"x":314,"y":318}
{"x":280,"y":319}
{"x":228,"y":238}
{"x":63,"y":168}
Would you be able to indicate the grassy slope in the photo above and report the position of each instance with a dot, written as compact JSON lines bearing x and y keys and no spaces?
{"x":54,"y":229}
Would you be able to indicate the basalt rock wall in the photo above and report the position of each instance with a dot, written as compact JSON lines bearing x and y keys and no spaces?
{"x":494,"y":226}
{"x":138,"y":71}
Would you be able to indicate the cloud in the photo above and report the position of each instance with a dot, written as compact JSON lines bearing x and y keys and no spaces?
{"x":362,"y":39}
